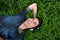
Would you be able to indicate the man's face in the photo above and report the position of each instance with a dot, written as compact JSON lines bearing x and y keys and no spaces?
{"x":31,"y":22}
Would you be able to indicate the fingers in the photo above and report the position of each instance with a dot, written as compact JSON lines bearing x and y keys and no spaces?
{"x":27,"y":24}
{"x":36,"y":21}
{"x":30,"y":23}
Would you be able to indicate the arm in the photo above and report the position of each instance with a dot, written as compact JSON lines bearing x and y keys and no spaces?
{"x":33,"y":7}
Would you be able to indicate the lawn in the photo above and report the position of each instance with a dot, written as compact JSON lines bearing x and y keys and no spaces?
{"x":48,"y":10}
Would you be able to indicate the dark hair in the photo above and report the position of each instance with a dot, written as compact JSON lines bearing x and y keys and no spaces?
{"x":38,"y":26}
{"x":40,"y":22}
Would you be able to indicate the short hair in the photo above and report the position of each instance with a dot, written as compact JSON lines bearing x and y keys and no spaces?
{"x":38,"y":26}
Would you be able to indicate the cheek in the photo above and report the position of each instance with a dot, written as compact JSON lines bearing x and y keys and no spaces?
{"x":29,"y":22}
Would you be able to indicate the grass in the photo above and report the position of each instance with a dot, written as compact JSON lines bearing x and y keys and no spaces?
{"x":48,"y":10}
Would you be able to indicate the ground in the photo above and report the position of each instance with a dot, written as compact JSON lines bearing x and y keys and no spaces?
{"x":48,"y":10}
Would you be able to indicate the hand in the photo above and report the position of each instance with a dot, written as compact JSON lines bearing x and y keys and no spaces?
{"x":29,"y":23}
{"x":32,"y":22}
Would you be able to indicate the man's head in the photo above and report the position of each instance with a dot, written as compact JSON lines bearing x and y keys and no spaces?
{"x":30,"y":23}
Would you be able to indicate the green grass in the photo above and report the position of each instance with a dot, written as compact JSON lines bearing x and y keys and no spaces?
{"x":48,"y":10}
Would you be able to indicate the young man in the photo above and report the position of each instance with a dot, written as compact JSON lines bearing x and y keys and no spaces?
{"x":12,"y":27}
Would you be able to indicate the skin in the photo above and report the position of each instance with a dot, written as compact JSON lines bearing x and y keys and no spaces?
{"x":33,"y":7}
{"x":30,"y":22}
{"x":1,"y":38}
